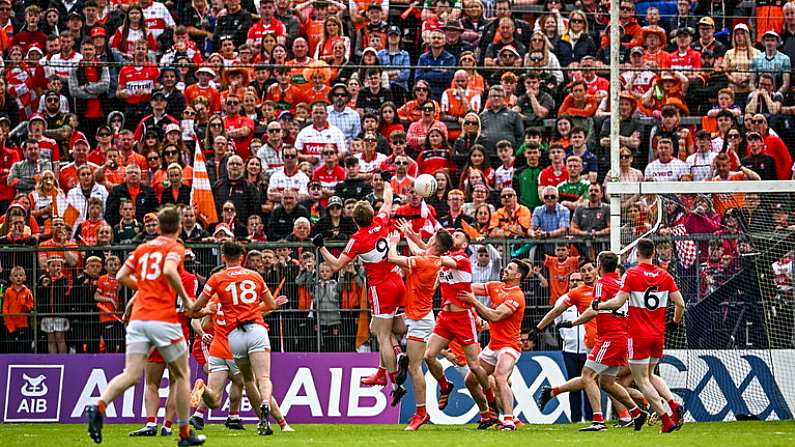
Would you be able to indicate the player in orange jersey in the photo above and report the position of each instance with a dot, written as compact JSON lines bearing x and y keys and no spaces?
{"x":154,"y":270}
{"x":240,"y":292}
{"x":505,"y":329}
{"x":422,"y":275}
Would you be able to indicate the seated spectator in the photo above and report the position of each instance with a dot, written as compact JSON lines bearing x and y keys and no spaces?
{"x":334,"y":225}
{"x":419,"y":130}
{"x":670,"y":127}
{"x":535,"y":105}
{"x":411,"y":111}
{"x":665,"y":168}
{"x":700,"y":162}
{"x":578,"y":102}
{"x":576,"y":41}
{"x":455,"y":211}
{"x":555,"y":173}
{"x":355,"y":185}
{"x":436,"y":154}
{"x":726,"y":101}
{"x":764,"y":165}
{"x":774,"y":146}
{"x":590,"y":220}
{"x":512,"y":219}
{"x":574,"y":190}
{"x":498,"y":122}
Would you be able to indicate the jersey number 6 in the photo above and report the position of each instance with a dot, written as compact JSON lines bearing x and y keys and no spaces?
{"x":650,"y":298}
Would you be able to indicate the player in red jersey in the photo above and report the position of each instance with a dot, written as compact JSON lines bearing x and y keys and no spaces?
{"x":422,"y":272}
{"x":609,"y":352}
{"x":154,"y":270}
{"x":648,"y":289}
{"x":240,"y":292}
{"x":455,"y":321}
{"x":505,"y":329}
{"x":385,"y":292}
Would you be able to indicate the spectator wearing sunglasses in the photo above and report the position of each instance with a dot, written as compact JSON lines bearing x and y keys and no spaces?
{"x":512,"y":219}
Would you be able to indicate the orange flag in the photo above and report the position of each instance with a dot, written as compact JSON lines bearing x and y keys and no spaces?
{"x":201,"y":194}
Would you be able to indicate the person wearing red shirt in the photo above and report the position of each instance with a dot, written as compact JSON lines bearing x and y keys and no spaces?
{"x":595,"y":85}
{"x":329,"y":173}
{"x":267,"y":25}
{"x":30,"y":34}
{"x":104,"y":138}
{"x":654,"y":40}
{"x":555,"y":173}
{"x":7,"y":158}
{"x":136,"y":82}
{"x":203,"y":88}
{"x":421,"y":216}
{"x":397,"y":143}
{"x":685,"y":58}
{"x":239,"y":128}
{"x":648,"y":288}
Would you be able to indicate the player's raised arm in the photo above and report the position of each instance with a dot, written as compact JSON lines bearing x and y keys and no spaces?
{"x":502,"y":311}
{"x":336,"y":263}
{"x":586,"y":316}
{"x":416,"y":244}
{"x":615,"y":302}
{"x":552,"y":314}
{"x":388,"y":198}
{"x":393,"y":256}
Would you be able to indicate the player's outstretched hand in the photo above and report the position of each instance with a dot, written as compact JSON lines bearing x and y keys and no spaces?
{"x":207,"y":339}
{"x":565,"y":325}
{"x":318,"y":241}
{"x":595,"y":305}
{"x":467,"y":297}
{"x":394,"y":238}
{"x":280,"y":300}
{"x":533,"y":334}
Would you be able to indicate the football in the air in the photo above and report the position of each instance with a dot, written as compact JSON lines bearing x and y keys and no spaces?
{"x":425,"y":185}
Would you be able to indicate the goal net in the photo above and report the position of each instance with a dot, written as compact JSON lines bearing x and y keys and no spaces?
{"x":729,"y":245}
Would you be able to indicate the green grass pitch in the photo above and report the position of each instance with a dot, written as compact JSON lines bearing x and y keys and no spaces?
{"x":733,"y":434}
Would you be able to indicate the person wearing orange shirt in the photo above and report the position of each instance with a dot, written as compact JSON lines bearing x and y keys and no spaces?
{"x":107,"y":299}
{"x":240,"y":292}
{"x":67,"y":176}
{"x":283,"y":92}
{"x":154,"y":270}
{"x":653,"y":38}
{"x":297,"y":64}
{"x":18,"y":299}
{"x":505,"y":328}
{"x":422,"y":272}
{"x":318,"y":75}
{"x":560,"y":267}
{"x":60,"y":239}
{"x":459,"y":100}
{"x":203,"y":88}
{"x":578,"y":102}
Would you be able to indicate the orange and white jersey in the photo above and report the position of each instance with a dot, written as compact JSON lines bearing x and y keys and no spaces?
{"x":157,"y":300}
{"x":455,"y":105}
{"x":220,"y":330}
{"x":240,"y":292}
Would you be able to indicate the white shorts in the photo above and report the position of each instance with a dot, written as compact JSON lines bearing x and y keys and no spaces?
{"x":217,"y":364}
{"x":168,"y":338}
{"x":491,"y":356}
{"x":602,"y":369}
{"x":419,"y":330}
{"x":54,"y":324}
{"x":253,"y":339}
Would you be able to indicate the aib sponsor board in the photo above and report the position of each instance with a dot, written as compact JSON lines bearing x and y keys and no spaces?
{"x":324,"y":388}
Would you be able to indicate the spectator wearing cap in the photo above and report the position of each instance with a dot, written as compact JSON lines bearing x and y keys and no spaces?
{"x":132,"y":190}
{"x":373,"y":31}
{"x":334,"y":225}
{"x":204,"y":88}
{"x":774,"y":146}
{"x":151,"y":229}
{"x":671,"y":127}
{"x":772,"y":61}
{"x":761,"y":163}
{"x":710,"y":80}
{"x":341,"y":116}
{"x":431,"y":65}
{"x":393,"y":55}
{"x":684,"y":58}
{"x":630,"y":128}
{"x":158,"y":120}
{"x":453,"y":30}
{"x":137,"y":82}
{"x":74,"y":24}
{"x":737,"y":62}
{"x":653,"y":38}
{"x":89,"y":85}
{"x":30,"y":34}
{"x":106,"y":54}
{"x":706,"y":38}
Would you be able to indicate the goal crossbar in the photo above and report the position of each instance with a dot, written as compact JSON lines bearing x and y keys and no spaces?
{"x":762,"y":186}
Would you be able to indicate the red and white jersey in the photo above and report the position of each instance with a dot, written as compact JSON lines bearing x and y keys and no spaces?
{"x":280,"y":181}
{"x":691,"y":59}
{"x":329,"y":178}
{"x":61,"y":65}
{"x":370,"y":245}
{"x":133,"y":78}
{"x":311,"y":140}
{"x":158,"y":18}
{"x":454,"y":280}
{"x":610,"y":324}
{"x":638,"y":82}
{"x":261,"y":28}
{"x":49,"y":150}
{"x":649,"y":288}
{"x":597,"y":85}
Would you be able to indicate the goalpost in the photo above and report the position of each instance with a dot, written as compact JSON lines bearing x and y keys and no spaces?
{"x":729,"y":246}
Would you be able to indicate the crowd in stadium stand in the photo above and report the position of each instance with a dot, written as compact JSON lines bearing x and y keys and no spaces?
{"x":302,"y":108}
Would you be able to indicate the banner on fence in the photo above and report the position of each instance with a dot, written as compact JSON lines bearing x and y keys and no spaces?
{"x":324,"y":388}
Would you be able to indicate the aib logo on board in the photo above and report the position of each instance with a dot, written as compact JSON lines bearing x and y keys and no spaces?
{"x":33,"y":393}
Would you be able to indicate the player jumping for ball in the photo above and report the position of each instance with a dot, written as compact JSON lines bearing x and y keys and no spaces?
{"x":648,"y":289}
{"x":385,"y":292}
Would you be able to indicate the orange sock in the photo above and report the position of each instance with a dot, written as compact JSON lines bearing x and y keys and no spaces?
{"x":624,"y":414}
{"x":184,"y":431}
{"x":102,"y":406}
